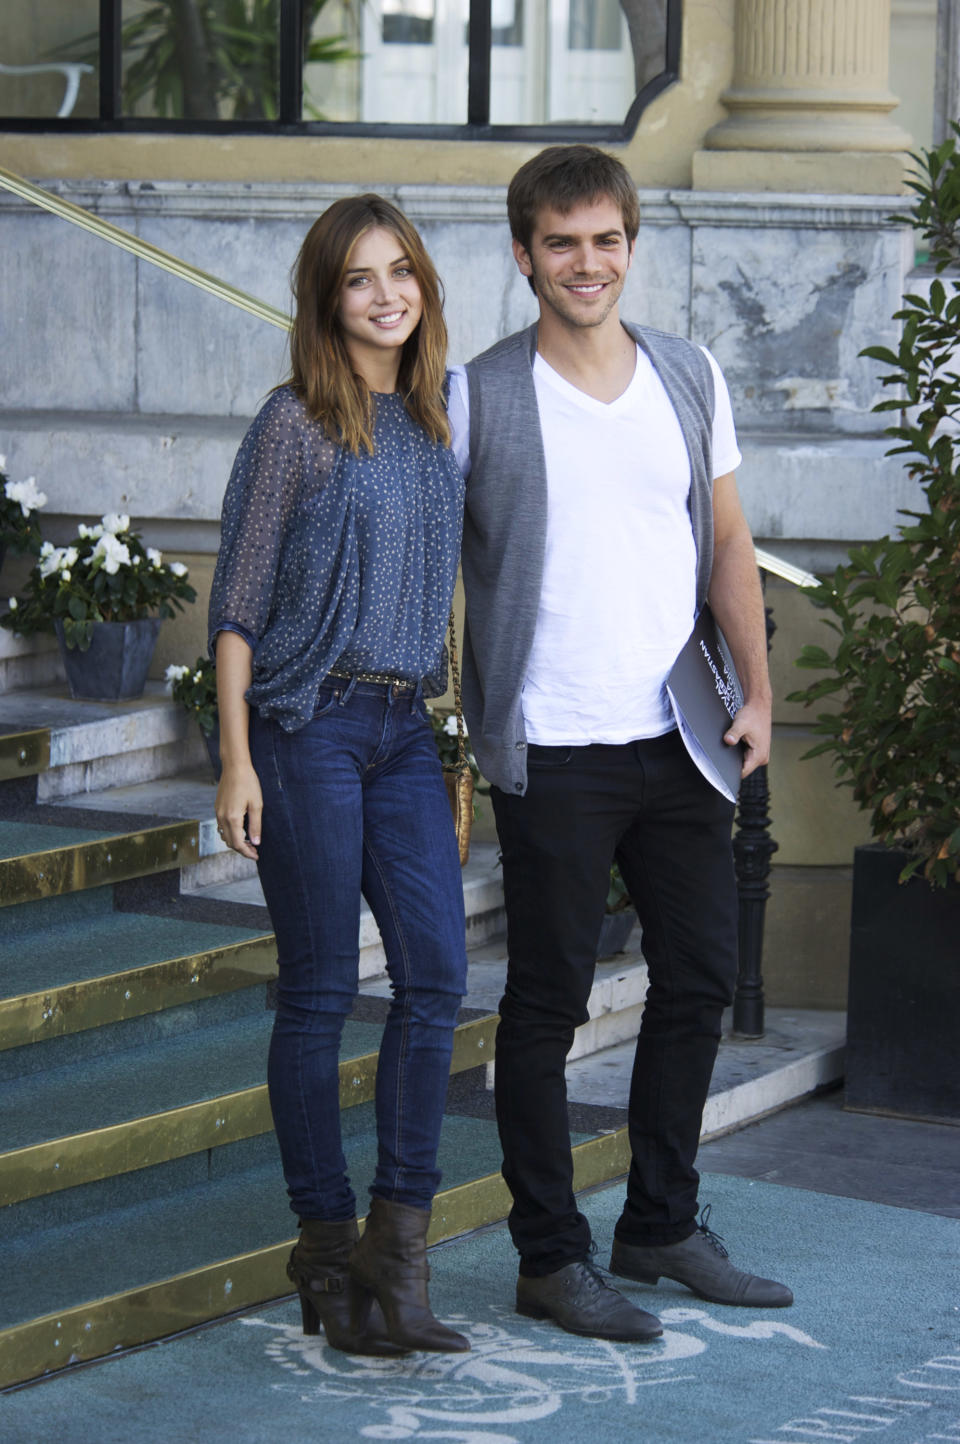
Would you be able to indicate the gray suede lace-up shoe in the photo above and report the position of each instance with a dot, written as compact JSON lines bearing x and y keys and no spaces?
{"x":702,"y":1263}
{"x":580,"y":1301}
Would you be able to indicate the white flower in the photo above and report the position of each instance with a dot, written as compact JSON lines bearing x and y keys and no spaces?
{"x":114,"y":554}
{"x":50,"y":560}
{"x":115,"y":521}
{"x":66,"y":574}
{"x":69,"y":558}
{"x":154,"y":557}
{"x":198,"y":676}
{"x":26,"y":493}
{"x":137,"y":560}
{"x":91,"y":532}
{"x":13,"y":603}
{"x":450,"y":726}
{"x":174,"y":673}
{"x":178,"y":569}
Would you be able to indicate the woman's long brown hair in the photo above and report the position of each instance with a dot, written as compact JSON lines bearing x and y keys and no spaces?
{"x":321,"y":371}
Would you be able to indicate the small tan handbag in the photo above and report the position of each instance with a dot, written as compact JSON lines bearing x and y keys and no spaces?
{"x":457,"y":775}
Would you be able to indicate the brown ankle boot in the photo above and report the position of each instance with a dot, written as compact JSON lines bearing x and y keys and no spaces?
{"x":389,"y":1266}
{"x":318,"y":1268}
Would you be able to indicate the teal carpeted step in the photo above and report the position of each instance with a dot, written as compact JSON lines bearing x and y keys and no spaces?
{"x":56,"y":941}
{"x":31,"y":1062}
{"x":19,"y":838}
{"x":104,"y":1196}
{"x":69,"y":1265}
{"x":95,"y":1093}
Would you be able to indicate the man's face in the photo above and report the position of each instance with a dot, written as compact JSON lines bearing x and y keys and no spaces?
{"x":578,"y":261}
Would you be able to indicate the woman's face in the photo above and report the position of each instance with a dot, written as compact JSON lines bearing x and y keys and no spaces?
{"x":380,"y":303}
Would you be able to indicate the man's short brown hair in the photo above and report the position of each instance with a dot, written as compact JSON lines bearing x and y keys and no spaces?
{"x":564,"y":176}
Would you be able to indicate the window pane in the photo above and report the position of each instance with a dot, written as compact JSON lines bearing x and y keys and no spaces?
{"x":507,"y":22}
{"x":49,"y":56}
{"x":581,"y":61}
{"x":407,"y":22}
{"x":197,"y":60}
{"x":400,"y":61}
{"x":333,"y":72}
{"x":593,"y":25}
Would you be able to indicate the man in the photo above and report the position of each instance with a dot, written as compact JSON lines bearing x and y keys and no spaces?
{"x":601,"y":513}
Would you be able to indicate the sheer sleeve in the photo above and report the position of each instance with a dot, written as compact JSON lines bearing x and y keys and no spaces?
{"x":277,"y":459}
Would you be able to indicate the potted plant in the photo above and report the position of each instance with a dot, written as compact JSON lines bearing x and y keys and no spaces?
{"x":894,"y":675}
{"x":104,"y":596}
{"x":19,"y":503}
{"x":195,"y":688}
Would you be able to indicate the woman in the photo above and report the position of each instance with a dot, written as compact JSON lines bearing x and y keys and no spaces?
{"x":340,"y":539}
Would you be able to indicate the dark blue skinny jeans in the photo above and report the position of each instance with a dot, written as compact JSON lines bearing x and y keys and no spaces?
{"x":354,"y":804}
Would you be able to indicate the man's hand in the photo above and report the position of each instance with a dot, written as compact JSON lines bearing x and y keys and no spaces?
{"x":751,"y":726}
{"x":239,"y":801}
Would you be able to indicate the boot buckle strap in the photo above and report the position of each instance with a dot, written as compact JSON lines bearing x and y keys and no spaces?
{"x":329,"y":1284}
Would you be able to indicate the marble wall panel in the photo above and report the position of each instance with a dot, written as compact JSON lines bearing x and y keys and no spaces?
{"x":841,"y":488}
{"x":67,"y":315}
{"x":196,"y":355}
{"x":176,"y":468}
{"x":787,"y":310}
{"x":486,"y":296}
{"x":657,"y":291}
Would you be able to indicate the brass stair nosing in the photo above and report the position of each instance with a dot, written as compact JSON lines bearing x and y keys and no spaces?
{"x":23,"y":754}
{"x":43,"y":1168}
{"x":81,"y":865}
{"x":41,"y":1346}
{"x":114,"y":997}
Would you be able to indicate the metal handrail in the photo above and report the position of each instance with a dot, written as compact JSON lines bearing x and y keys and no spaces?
{"x":107,"y":231}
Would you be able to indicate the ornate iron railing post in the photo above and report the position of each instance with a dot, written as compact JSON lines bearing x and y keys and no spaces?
{"x":753,"y":848}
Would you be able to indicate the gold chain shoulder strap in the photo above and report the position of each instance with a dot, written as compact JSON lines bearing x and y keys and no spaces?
{"x":457,"y":699}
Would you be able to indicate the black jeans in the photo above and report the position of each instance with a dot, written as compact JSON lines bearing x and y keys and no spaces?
{"x":647,"y":805}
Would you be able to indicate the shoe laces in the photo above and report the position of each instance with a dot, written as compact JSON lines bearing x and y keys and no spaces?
{"x":597,"y":1273}
{"x":713,"y":1239}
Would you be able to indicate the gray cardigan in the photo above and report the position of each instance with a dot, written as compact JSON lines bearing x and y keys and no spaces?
{"x":504,"y":530}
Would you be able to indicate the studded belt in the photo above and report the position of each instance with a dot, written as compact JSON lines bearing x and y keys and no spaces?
{"x":383,"y":679}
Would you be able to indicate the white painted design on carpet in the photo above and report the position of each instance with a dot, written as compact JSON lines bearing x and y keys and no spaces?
{"x":509,"y":1379}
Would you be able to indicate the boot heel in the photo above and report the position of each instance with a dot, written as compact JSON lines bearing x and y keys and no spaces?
{"x":532,"y":1311}
{"x":309,"y":1316}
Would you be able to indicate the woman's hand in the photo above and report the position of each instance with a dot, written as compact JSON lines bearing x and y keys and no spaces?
{"x":239,"y":799}
{"x":239,"y":808}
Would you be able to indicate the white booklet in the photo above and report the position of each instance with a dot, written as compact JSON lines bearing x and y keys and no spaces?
{"x":705,"y":694}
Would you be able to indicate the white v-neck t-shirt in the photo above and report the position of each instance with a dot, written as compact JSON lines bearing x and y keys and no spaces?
{"x":618,"y":595}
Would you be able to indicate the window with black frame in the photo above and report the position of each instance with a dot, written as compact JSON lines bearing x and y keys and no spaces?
{"x":482,"y":68}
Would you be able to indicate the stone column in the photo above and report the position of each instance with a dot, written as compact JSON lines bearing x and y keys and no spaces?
{"x":809,"y":106}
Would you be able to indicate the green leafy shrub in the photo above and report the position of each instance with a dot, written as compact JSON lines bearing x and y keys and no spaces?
{"x":19,"y":503}
{"x":195,"y":688}
{"x":895,"y":607}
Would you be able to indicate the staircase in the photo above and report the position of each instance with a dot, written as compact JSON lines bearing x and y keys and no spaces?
{"x":140,"y":1184}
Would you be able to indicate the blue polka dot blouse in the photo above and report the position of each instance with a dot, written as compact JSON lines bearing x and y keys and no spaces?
{"x":333,"y":560}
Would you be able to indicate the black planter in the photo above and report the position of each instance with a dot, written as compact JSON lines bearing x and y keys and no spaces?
{"x":903,"y":1018}
{"x":615,"y":932}
{"x":114,"y":667}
